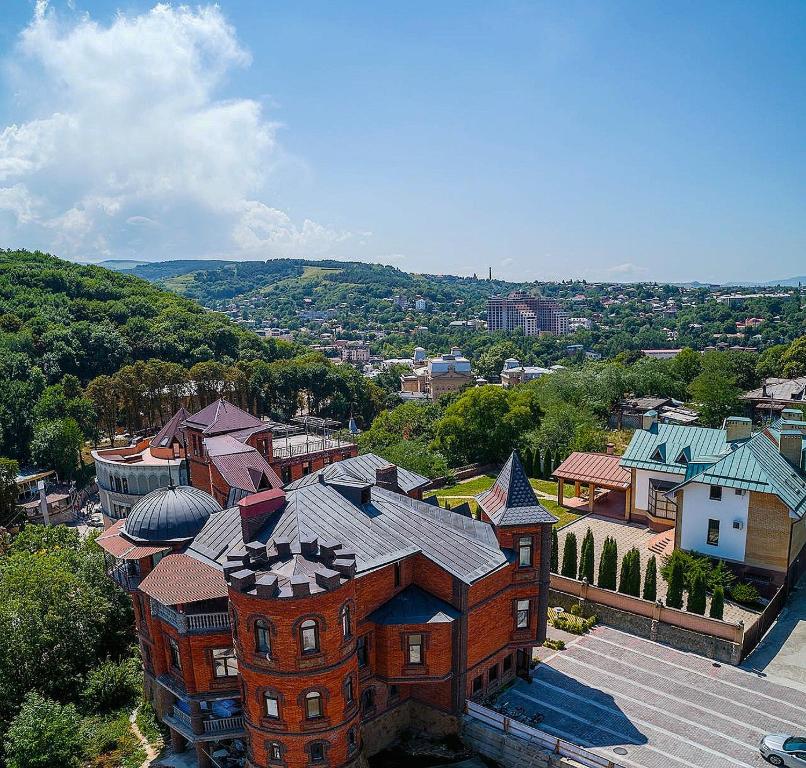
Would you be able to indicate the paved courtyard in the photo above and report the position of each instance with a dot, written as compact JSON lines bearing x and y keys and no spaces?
{"x":648,"y":543}
{"x":610,"y":690}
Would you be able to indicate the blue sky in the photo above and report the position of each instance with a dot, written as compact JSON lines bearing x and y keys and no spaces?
{"x":619,"y":140}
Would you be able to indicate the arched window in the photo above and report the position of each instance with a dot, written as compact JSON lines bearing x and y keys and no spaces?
{"x":313,"y":705}
{"x":275,"y":752}
{"x":262,"y":637}
{"x":309,"y":636}
{"x":271,"y":704}
{"x":317,"y":752}
{"x":346,"y":622}
{"x":352,"y":740}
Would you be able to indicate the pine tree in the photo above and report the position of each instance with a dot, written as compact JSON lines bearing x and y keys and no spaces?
{"x":696,"y":594}
{"x":651,"y":580}
{"x":570,"y":556}
{"x":586,"y":557}
{"x":717,"y":603}
{"x":555,"y":553}
{"x":624,"y":575}
{"x":537,"y":463}
{"x":674,"y":595}
{"x":546,"y":464}
{"x":635,"y":572}
{"x":608,"y":564}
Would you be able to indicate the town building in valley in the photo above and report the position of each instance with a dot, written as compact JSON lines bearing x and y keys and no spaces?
{"x":437,"y":376}
{"x":531,"y":314}
{"x":314,"y":624}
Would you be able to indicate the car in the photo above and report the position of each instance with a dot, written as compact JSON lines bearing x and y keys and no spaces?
{"x":784,"y":749}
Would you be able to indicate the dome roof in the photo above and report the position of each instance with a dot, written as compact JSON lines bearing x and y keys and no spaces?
{"x":170,"y":514}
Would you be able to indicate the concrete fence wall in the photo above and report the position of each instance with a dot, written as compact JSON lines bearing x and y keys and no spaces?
{"x":721,"y":640}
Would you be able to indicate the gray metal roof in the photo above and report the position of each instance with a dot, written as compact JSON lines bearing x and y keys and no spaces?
{"x":390,"y":527}
{"x":170,"y":514}
{"x":414,"y":606}
{"x":512,"y":500}
{"x":363,"y":467}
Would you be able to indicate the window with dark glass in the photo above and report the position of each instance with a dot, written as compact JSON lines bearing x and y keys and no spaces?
{"x":224,"y":662}
{"x":715,"y":493}
{"x":368,"y":699}
{"x":275,"y":751}
{"x":508,"y":663}
{"x":415,"y":649}
{"x":525,"y":551}
{"x":349,"y":693}
{"x":522,"y":614}
{"x":309,"y":636}
{"x":397,"y":574}
{"x":125,"y":485}
{"x":271,"y":704}
{"x":713,"y":533}
{"x":176,"y":659}
{"x":478,"y":684}
{"x":346,"y":624}
{"x":313,"y":705}
{"x":362,"y":650}
{"x":317,"y":751}
{"x":262,"y":637}
{"x":394,"y":691}
{"x":493,"y":673}
{"x":352,"y":740}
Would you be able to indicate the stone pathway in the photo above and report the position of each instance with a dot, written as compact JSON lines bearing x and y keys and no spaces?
{"x":151,"y":753}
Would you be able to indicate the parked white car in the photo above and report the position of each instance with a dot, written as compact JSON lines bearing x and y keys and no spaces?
{"x":783,"y":749}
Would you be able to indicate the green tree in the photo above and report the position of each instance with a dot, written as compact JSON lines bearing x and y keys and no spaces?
{"x":44,"y":734}
{"x":793,"y":361}
{"x":715,"y":390}
{"x":570,"y":556}
{"x":608,"y":564}
{"x":769,"y":361}
{"x":586,"y":557}
{"x":695,"y":602}
{"x":9,"y":469}
{"x":555,"y":553}
{"x":547,"y":468}
{"x":491,"y":362}
{"x":674,"y":592}
{"x":112,"y":685}
{"x":717,"y":603}
{"x":651,"y":580}
{"x":630,"y":575}
{"x":58,"y":444}
{"x":686,"y":365}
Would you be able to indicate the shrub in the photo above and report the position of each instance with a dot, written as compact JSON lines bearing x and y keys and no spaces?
{"x":575,"y":609}
{"x":674,"y":594}
{"x":44,"y":734}
{"x":608,"y":564}
{"x":570,"y":556}
{"x":556,"y":645}
{"x":717,"y":603}
{"x":721,"y":576}
{"x":576,"y":625}
{"x":651,"y":580}
{"x":745,"y":593}
{"x":555,"y":554}
{"x":586,"y":558}
{"x":112,"y":685}
{"x":695,"y":603}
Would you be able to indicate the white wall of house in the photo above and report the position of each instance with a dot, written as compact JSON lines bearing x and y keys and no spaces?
{"x":642,"y":478}
{"x":699,"y":508}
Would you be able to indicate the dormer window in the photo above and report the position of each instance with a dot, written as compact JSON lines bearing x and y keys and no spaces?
{"x":657,"y":455}
{"x":681,"y":459}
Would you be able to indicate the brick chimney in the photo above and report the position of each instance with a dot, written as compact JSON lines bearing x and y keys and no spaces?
{"x":737,"y":428}
{"x":257,"y":509}
{"x":386,"y":477}
{"x":791,"y":447}
{"x":611,"y":449}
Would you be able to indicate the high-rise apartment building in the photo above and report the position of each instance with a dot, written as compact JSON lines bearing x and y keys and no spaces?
{"x":532,"y":314}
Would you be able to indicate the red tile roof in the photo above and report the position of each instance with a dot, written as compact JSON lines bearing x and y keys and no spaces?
{"x":115,"y":544}
{"x":183,"y":579}
{"x":602,"y":469}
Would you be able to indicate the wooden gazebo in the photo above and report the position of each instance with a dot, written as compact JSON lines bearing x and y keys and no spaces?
{"x":593,"y":470}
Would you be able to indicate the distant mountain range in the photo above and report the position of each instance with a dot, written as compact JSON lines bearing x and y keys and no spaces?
{"x":149,"y":269}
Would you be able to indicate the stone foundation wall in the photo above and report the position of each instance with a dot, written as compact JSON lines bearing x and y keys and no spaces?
{"x":386,"y":729}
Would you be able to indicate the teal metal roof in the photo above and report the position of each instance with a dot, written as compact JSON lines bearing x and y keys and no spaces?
{"x":757,"y":465}
{"x":668,"y":442}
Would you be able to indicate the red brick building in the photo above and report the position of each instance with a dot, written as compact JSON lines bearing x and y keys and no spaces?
{"x":312,"y":625}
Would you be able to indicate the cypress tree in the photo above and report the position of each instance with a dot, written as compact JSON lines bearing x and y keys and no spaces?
{"x":695,"y":602}
{"x":555,"y":553}
{"x":651,"y":580}
{"x":570,"y":556}
{"x":546,"y":464}
{"x":717,"y":603}
{"x":537,"y":463}
{"x":586,"y":557}
{"x":624,"y":574}
{"x":674,"y":595}
{"x":608,"y":564}
{"x":635,"y":572}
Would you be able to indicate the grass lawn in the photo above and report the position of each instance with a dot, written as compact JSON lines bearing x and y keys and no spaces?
{"x":452,"y":496}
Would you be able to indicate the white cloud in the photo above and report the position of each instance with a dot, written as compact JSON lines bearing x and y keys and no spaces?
{"x":128,"y":128}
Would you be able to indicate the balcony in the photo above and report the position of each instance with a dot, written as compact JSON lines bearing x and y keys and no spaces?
{"x":188,"y":623}
{"x":213,"y":728}
{"x":125,"y":576}
{"x":300,"y":445}
{"x":221,"y":725}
